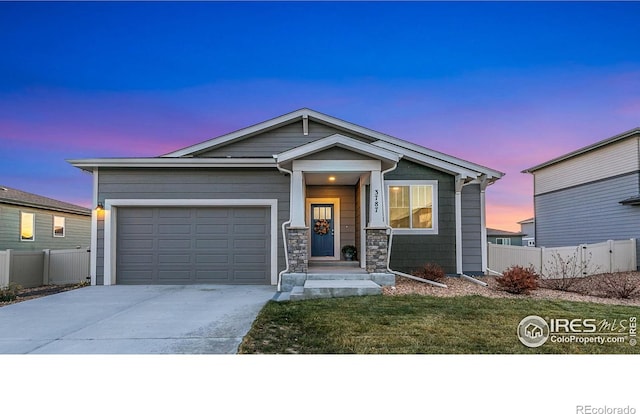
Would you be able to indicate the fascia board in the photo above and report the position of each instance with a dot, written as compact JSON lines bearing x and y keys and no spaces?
{"x":89,"y":164}
{"x":405,"y":146}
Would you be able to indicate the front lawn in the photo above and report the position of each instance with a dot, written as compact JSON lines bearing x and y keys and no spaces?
{"x":413,"y":324}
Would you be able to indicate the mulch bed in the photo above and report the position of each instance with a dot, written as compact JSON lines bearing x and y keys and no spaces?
{"x":586,"y":289}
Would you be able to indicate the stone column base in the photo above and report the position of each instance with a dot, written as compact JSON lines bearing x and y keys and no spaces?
{"x":377,"y":243}
{"x":298,"y":249}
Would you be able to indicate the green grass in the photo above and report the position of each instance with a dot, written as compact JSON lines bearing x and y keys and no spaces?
{"x":415,"y":324}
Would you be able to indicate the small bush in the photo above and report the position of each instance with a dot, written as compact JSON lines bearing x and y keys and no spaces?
{"x":9,"y":293}
{"x":619,"y":285}
{"x":430,"y":271}
{"x":565,"y":273}
{"x":518,"y":280}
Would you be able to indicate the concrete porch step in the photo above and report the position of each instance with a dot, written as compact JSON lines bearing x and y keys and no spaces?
{"x":320,"y":289}
{"x":339,"y":276}
{"x":334,"y":263}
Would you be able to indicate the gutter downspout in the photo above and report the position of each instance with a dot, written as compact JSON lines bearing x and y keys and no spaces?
{"x":390,"y":230}
{"x":284,"y":232}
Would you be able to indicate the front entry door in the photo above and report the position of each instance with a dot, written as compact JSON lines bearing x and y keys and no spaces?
{"x":322,"y":243}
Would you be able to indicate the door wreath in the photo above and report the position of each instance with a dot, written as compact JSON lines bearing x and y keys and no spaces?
{"x":321,"y":227}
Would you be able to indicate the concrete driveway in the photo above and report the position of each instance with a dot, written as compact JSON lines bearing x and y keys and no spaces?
{"x":195,"y":319}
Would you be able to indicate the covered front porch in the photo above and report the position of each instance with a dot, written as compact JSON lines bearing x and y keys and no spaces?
{"x":337,"y":205}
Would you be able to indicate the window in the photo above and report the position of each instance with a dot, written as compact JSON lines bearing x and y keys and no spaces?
{"x":27,"y":226}
{"x":413,"y":206}
{"x":505,"y":241}
{"x":58,"y":226}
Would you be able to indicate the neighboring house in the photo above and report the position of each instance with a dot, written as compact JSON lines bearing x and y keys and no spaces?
{"x":507,"y":238}
{"x":528,"y":230}
{"x":32,"y":222}
{"x":589,"y":195}
{"x":216,"y":212}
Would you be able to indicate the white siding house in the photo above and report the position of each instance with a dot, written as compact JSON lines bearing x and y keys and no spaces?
{"x":589,"y":195}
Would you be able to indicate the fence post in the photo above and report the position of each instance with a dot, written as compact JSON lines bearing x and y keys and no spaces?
{"x":542,"y":250}
{"x":8,"y":264}
{"x":634,"y":253}
{"x":45,"y":267}
{"x":611,"y":247}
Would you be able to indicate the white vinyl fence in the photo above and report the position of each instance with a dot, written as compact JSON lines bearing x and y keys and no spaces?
{"x":45,"y":267}
{"x":605,"y":257}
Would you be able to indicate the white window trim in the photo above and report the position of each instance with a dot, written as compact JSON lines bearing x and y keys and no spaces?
{"x":111,"y":216}
{"x":434,"y":211}
{"x":33,"y":219}
{"x":64,"y":227}
{"x":503,"y":239}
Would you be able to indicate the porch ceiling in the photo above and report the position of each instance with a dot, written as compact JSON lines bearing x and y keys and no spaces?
{"x":341,"y":178}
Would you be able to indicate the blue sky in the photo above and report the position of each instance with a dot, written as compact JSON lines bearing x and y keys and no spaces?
{"x":507,"y":85}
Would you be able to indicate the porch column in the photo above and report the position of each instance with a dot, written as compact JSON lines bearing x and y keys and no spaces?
{"x":297,"y":200}
{"x":376,"y":207}
{"x":483,"y":223}
{"x":458,"y":203}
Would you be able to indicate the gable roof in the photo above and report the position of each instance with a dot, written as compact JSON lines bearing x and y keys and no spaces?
{"x":187,"y":157}
{"x":337,"y":140}
{"x":382,"y":140}
{"x":22,"y":198}
{"x":588,"y":148}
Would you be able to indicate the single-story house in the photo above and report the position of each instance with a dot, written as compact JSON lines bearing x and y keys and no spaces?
{"x":270,"y":199}
{"x":504,"y":237}
{"x":589,"y":195}
{"x":33,"y":222}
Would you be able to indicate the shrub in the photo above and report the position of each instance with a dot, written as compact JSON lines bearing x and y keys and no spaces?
{"x":565,"y":273}
{"x":430,"y":271}
{"x":9,"y":293}
{"x":619,"y":285}
{"x":518,"y":280}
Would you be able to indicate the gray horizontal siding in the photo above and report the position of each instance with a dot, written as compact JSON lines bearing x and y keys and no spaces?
{"x":410,"y":252}
{"x":589,"y":213}
{"x":193,"y":184}
{"x":77,"y":230}
{"x":275,"y":141}
{"x":471,"y":229}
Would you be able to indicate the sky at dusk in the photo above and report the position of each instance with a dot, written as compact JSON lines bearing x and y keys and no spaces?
{"x":506,"y":85}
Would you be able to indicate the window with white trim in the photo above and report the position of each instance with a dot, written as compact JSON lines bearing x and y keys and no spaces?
{"x":504,"y":241}
{"x":58,"y":226}
{"x":27,"y":226}
{"x":413,"y":206}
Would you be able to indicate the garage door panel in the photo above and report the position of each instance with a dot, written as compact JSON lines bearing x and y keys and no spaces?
{"x":212,"y":213}
{"x":248,"y":258}
{"x":174,"y":275}
{"x":137,"y":258}
{"x":221,"y":259}
{"x":137,"y":244}
{"x":172,"y":244}
{"x":220,"y":229}
{"x":212,"y":244}
{"x":133,"y":228}
{"x":249,"y":243}
{"x":169,"y":213}
{"x":193,"y":245}
{"x":169,"y":229}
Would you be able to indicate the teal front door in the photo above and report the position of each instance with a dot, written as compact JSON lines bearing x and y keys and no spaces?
{"x":322,"y":242}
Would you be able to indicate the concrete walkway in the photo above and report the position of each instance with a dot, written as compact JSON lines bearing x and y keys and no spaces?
{"x":195,"y":319}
